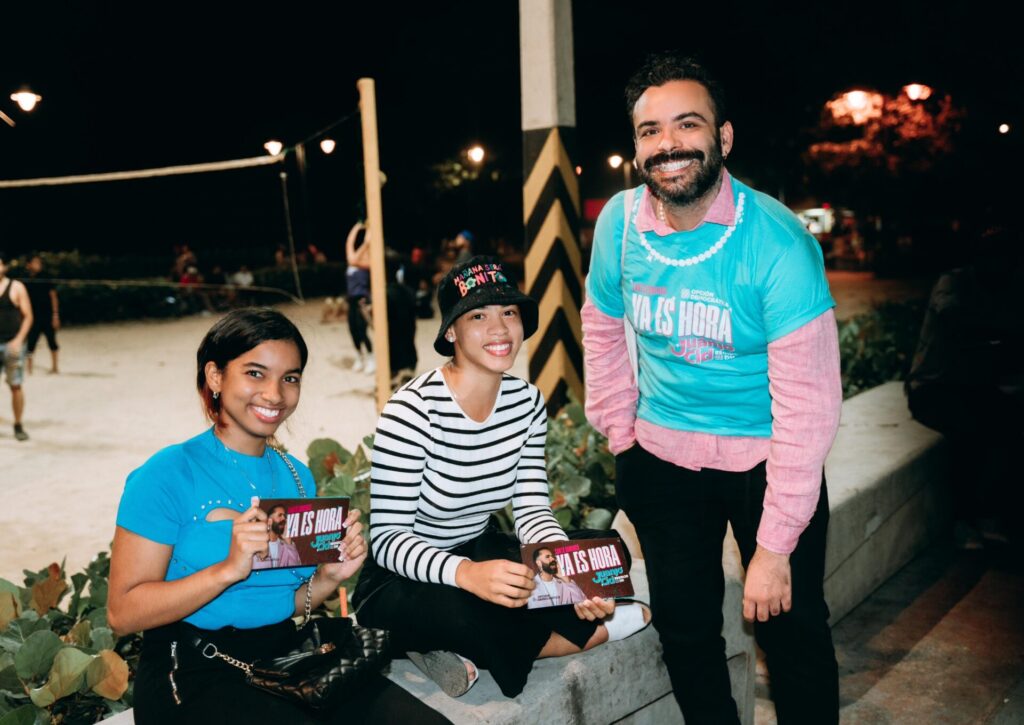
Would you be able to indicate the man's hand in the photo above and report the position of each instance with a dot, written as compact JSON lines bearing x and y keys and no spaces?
{"x":768,"y":590}
{"x":13,"y":348}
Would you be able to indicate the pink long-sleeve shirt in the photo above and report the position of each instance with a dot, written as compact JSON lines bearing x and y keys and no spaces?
{"x":806,"y":392}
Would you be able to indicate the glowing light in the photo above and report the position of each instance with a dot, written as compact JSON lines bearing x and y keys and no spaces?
{"x":615,"y":161}
{"x":856,"y":105}
{"x":476,"y":154}
{"x":273,"y":147}
{"x":917,"y":91}
{"x":579,"y":171}
{"x":1004,"y":128}
{"x":26,"y":100}
{"x":327,"y":145}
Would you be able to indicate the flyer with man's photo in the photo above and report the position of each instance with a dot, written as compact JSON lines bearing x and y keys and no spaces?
{"x":567,"y":572}
{"x":303,"y":532}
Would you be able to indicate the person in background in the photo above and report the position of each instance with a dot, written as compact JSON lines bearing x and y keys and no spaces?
{"x":401,"y":322}
{"x":357,"y":281}
{"x":15,"y":322}
{"x":967,"y":382}
{"x":45,"y":313}
{"x":463,"y":245}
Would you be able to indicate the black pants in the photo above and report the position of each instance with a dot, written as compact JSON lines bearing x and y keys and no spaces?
{"x":504,"y":641}
{"x":38,"y":329}
{"x":680,"y":518}
{"x":357,"y":325}
{"x":211,"y":691}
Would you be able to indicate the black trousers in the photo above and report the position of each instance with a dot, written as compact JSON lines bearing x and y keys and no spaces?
{"x":504,"y":641}
{"x":38,"y":329}
{"x":357,"y":325}
{"x":680,"y":518}
{"x":211,"y":691}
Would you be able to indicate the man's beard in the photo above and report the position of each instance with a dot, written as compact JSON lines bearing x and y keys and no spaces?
{"x":708,"y":172}
{"x":277,"y":527}
{"x":551,"y":567}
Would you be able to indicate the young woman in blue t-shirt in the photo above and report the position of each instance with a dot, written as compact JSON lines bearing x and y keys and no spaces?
{"x":189,"y":526}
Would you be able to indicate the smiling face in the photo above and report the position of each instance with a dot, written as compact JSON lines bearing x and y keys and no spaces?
{"x":488,"y":338}
{"x":679,"y":150}
{"x":259,"y":389}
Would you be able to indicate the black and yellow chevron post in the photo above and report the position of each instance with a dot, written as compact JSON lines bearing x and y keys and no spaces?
{"x":554,"y":277}
{"x":551,"y":197}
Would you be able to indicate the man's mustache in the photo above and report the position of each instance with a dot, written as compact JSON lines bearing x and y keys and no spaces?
{"x":670,"y":156}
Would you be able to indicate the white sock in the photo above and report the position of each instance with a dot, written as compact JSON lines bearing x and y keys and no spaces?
{"x":628,"y":619}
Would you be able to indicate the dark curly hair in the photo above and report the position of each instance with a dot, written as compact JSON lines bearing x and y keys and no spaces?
{"x":661,"y":68}
{"x":235,"y":334}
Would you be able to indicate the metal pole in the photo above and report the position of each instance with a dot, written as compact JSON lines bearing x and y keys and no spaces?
{"x":375,"y":238}
{"x":291,"y":235}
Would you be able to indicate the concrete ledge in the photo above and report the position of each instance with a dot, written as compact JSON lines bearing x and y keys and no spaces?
{"x":888,"y":495}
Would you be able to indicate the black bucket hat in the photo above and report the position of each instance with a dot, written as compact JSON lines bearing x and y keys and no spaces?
{"x":479,"y":282}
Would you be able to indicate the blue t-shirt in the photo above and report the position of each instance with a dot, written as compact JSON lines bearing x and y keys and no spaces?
{"x":705,"y":309}
{"x":167,"y":500}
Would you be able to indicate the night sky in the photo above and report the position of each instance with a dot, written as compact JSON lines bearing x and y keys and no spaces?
{"x":142,"y":85}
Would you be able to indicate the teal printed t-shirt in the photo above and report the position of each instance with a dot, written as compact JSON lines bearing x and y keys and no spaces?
{"x":167,"y":500}
{"x":703,"y":329}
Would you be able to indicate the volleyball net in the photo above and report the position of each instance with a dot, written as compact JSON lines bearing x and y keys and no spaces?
{"x":249,"y":203}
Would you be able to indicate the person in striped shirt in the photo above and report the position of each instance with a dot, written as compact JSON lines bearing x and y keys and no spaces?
{"x":454,"y":446}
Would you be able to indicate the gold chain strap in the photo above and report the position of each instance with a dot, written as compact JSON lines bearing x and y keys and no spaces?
{"x":210,"y":652}
{"x":302,"y":493}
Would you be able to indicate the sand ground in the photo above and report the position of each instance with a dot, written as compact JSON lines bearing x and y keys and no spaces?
{"x":126,"y":390}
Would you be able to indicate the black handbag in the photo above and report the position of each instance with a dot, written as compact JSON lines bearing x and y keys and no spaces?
{"x":329,"y":659}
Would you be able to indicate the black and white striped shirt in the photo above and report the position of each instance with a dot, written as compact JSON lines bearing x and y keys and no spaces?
{"x":438,"y":475}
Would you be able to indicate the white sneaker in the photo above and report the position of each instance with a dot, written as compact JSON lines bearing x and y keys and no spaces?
{"x":359,"y":364}
{"x":371,"y":366}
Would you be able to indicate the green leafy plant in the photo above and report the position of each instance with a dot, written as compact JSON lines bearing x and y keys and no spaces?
{"x":581,"y":470}
{"x":340,"y":472}
{"x":877,"y":346}
{"x":62,"y":665}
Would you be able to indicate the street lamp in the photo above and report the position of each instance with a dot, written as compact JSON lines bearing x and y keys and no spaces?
{"x":859,"y":106}
{"x":616,"y":161}
{"x":917,"y":91}
{"x":476,"y":154}
{"x":26,"y":101}
{"x":1004,"y":128}
{"x":327,"y":145}
{"x":273,"y":147}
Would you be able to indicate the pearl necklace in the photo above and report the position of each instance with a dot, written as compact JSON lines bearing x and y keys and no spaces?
{"x":653,"y":254}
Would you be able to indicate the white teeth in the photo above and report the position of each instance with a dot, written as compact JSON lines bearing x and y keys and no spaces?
{"x":267,"y":412}
{"x":499,"y":348}
{"x":675,"y":165}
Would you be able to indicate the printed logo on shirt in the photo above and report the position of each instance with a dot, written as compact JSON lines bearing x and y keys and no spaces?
{"x":697,"y":322}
